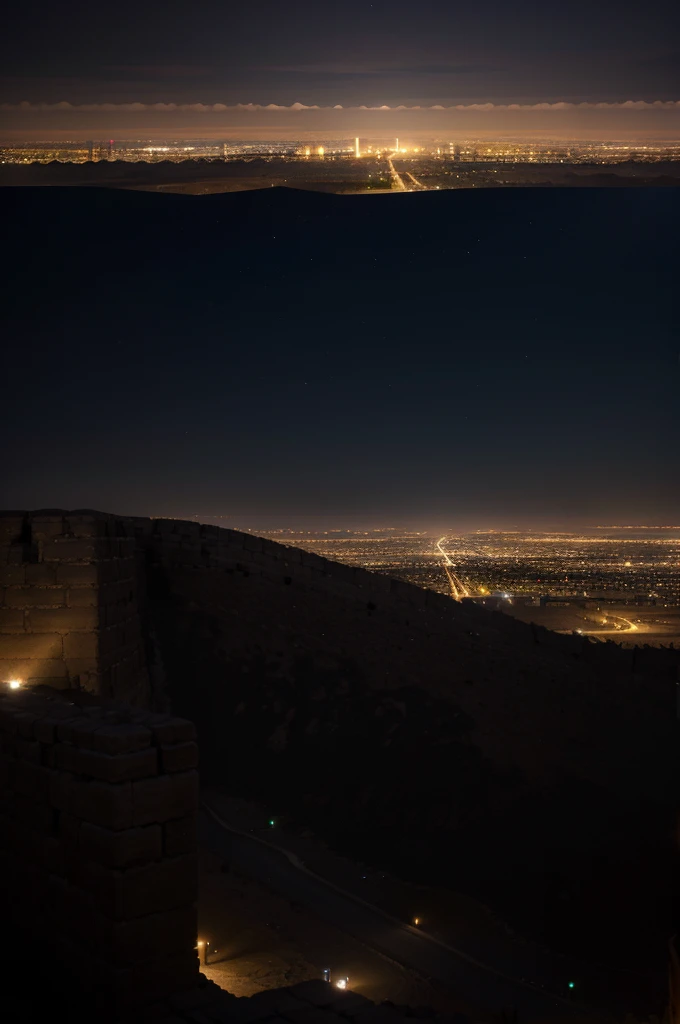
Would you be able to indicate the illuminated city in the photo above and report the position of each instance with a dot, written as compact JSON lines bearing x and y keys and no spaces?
{"x":350,"y":165}
{"x":568,"y":582}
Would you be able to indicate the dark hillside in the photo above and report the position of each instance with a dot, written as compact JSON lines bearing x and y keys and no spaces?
{"x":449,"y":744}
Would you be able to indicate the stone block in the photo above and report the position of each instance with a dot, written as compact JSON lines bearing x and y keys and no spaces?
{"x":180,"y":836}
{"x":140,"y":764}
{"x":32,"y":780}
{"x":25,"y":722}
{"x":158,"y":935}
{"x":64,"y":756}
{"x":40,"y":573}
{"x":121,"y":849}
{"x":138,"y":891}
{"x":22,"y":749}
{"x":120,"y":738}
{"x":153,"y":800}
{"x":67,"y":549}
{"x":29,"y":670}
{"x":81,"y":645}
{"x":83,"y":597}
{"x":15,"y":554}
{"x":165,"y":797}
{"x":12,"y":575}
{"x":12,"y":620}
{"x":67,"y":723}
{"x":70,"y":574}
{"x":79,"y":731}
{"x":61,"y":620}
{"x":35,"y":597}
{"x":86,"y":671}
{"x":61,"y":790}
{"x":46,"y":527}
{"x":81,"y":526}
{"x":179,"y":757}
{"x":103,"y":803}
{"x":185,"y":791}
{"x":45,"y":729}
{"x":154,"y":980}
{"x":11,"y":527}
{"x":30,"y":645}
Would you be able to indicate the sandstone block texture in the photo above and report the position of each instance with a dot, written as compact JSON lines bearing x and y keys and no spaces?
{"x":98,"y":805}
{"x":70,"y":615}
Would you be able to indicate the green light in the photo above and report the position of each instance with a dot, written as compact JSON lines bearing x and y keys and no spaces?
{"x":571,"y":984}
{"x":271,"y":822}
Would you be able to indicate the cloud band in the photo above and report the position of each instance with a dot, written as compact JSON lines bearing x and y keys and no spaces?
{"x":223,"y":108}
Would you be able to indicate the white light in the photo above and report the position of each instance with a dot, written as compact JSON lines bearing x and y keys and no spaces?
{"x":14,"y":684}
{"x":341,"y":983}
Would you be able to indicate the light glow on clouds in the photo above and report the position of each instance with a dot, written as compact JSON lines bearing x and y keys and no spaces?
{"x":222,"y":108}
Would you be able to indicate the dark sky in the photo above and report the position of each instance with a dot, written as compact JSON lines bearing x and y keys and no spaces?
{"x":477,"y":358}
{"x":385,"y":53}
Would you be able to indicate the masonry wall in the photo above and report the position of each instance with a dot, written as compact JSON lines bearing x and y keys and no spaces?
{"x":73,"y":609}
{"x":98,"y":850}
{"x":69,"y":609}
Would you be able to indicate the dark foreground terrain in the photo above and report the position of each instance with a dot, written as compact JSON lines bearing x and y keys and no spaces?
{"x":459,"y":753}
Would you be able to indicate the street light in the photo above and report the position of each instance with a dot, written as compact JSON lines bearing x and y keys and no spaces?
{"x":14,"y":684}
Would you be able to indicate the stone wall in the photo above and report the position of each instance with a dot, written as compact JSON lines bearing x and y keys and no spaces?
{"x":73,"y":592}
{"x":69,"y":609}
{"x":74,"y":613}
{"x":98,"y":824}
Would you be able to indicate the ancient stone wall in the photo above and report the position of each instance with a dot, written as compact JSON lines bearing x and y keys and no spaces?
{"x":69,"y":610}
{"x":98,"y":850}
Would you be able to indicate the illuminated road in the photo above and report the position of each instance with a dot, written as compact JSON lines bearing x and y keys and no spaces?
{"x":458,"y":588}
{"x":631,"y":627}
{"x":417,"y":185}
{"x":475,"y":982}
{"x":396,"y":178}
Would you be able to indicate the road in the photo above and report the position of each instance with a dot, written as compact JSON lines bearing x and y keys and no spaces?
{"x":413,"y":949}
{"x":458,"y":588}
{"x":417,"y":185}
{"x":396,"y":178}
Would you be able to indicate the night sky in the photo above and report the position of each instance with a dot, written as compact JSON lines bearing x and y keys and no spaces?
{"x":209,"y":67}
{"x":465,"y":359}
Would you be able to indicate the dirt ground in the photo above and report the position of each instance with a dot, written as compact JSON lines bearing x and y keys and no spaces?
{"x":259,"y":941}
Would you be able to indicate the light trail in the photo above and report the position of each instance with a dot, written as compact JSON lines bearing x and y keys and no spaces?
{"x":632,"y":628}
{"x":416,"y":184}
{"x":458,"y":588}
{"x":401,"y":187}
